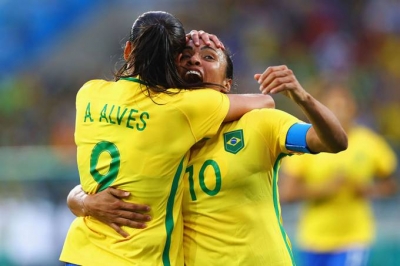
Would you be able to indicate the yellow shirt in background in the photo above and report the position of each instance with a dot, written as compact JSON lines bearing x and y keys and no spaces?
{"x":343,"y":219}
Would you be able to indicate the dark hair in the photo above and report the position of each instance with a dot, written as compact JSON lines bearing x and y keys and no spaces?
{"x":229,"y":64}
{"x":157,"y":38}
{"x":229,"y":68}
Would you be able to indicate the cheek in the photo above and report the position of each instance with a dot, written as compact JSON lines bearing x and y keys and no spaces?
{"x":215,"y":74}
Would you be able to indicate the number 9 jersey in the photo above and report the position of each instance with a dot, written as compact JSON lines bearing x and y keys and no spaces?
{"x":140,"y":144}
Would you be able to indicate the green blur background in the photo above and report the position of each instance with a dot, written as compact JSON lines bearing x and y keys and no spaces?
{"x":49,"y":48}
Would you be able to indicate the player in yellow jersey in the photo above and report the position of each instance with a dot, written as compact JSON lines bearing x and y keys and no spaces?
{"x":231,"y":206}
{"x":135,"y":133}
{"x":336,"y":225}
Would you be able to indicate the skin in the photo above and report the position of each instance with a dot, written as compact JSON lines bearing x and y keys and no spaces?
{"x":293,"y":189}
{"x":239,"y":103}
{"x":208,"y":62}
{"x":326,"y":134}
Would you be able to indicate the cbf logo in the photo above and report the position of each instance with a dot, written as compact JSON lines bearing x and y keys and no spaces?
{"x":234,"y":141}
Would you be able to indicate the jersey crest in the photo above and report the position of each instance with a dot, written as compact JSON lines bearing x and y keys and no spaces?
{"x":234,"y":141}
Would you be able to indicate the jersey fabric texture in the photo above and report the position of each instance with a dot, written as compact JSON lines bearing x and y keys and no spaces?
{"x":231,"y":205}
{"x":139,"y":144}
{"x":344,"y":219}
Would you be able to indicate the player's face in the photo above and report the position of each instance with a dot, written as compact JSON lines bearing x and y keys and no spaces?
{"x":341,"y":103}
{"x":203,"y":64}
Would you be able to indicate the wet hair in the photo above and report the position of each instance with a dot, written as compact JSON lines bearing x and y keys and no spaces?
{"x":157,"y":38}
{"x":229,"y":64}
{"x":229,"y":68}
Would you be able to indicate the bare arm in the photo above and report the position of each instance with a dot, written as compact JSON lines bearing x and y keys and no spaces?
{"x":381,"y":188}
{"x":326,"y":133}
{"x":108,"y":207}
{"x":243,"y":103}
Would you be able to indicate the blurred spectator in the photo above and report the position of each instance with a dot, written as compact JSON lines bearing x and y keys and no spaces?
{"x":336,"y":224}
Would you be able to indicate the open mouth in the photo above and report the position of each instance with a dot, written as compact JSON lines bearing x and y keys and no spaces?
{"x":193,"y":76}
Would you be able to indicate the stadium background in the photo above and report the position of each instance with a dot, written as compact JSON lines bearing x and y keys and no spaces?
{"x":50,"y":47}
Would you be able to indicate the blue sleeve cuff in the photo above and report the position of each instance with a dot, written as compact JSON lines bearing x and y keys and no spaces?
{"x":296,"y":138}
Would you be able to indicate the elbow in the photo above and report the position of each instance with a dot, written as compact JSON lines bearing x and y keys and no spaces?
{"x":269,"y":102}
{"x":341,"y":144}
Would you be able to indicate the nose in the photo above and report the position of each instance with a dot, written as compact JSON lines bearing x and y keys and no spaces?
{"x":194,"y":60}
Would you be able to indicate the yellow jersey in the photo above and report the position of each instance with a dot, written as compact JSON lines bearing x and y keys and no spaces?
{"x":128,"y":140}
{"x":231,"y":204}
{"x":343,"y":219}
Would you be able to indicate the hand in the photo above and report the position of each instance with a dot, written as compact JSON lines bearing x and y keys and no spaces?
{"x":108,"y":207}
{"x":206,"y":37}
{"x":278,"y":79}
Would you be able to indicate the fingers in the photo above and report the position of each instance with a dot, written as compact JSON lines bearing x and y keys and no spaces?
{"x":270,"y":73}
{"x":132,"y":216}
{"x":130,"y":223}
{"x":207,"y":38}
{"x":119,"y":193}
{"x":133,"y":207}
{"x":276,"y":79}
{"x":119,"y":230}
{"x":194,"y":36}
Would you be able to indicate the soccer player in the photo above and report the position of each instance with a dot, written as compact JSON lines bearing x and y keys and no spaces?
{"x":231,"y":205}
{"x":135,"y":133}
{"x":336,"y":225}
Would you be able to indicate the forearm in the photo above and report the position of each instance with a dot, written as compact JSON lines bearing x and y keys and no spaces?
{"x":243,"y":103}
{"x":383,"y":188}
{"x":331,"y":135}
{"x":75,"y":201}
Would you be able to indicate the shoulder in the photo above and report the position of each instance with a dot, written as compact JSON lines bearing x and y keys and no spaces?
{"x":91,"y":84}
{"x":202,"y":98}
{"x":201,"y":93}
{"x":363,"y":135}
{"x":364,"y":132}
{"x":271,"y":116}
{"x":95,"y":82}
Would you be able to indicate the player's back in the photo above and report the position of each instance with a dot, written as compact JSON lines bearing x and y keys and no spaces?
{"x":128,"y":140}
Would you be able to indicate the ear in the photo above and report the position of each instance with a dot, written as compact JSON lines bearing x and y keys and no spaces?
{"x":127,"y":50}
{"x":227,"y":85}
{"x":178,"y":59}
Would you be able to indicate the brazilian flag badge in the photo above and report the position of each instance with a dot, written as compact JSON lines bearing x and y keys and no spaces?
{"x":234,"y":141}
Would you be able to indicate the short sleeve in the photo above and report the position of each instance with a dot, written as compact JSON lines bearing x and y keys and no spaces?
{"x":385,"y":157}
{"x":274,"y":125}
{"x":205,"y":110}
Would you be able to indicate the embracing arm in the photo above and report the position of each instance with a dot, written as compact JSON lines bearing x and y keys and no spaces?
{"x":243,"y":103}
{"x":108,"y":207}
{"x":326,"y":133}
